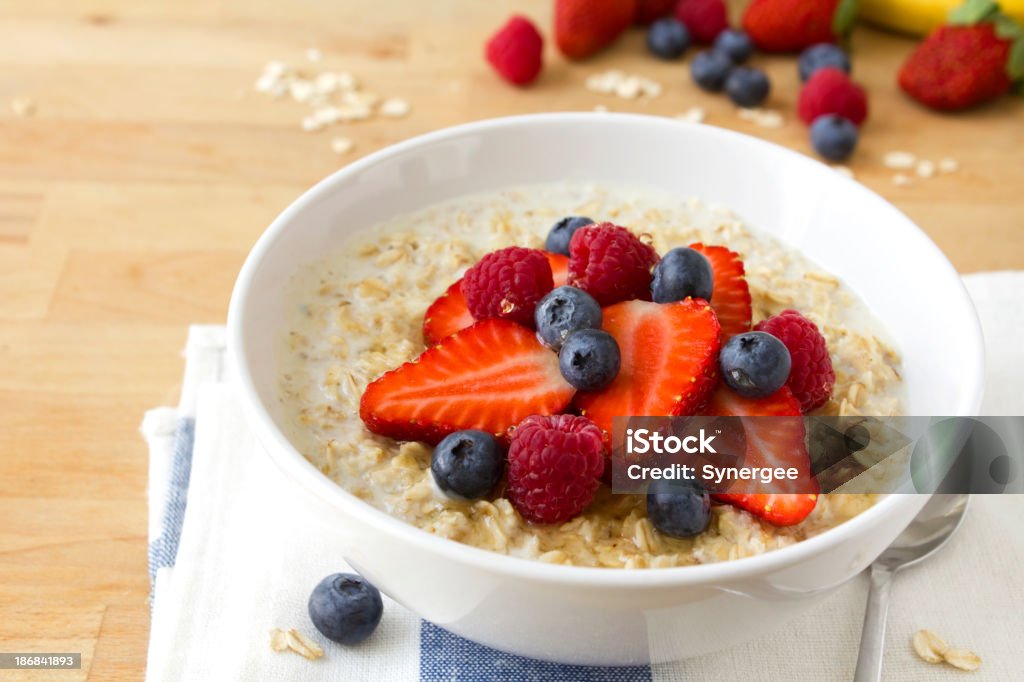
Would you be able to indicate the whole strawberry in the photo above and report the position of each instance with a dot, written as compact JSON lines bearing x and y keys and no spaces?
{"x":554,"y":467}
{"x":516,"y":51}
{"x":792,"y":25}
{"x":585,"y":27}
{"x":974,"y":58}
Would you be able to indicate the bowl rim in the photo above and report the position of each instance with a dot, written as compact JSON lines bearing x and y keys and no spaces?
{"x":291,"y":462}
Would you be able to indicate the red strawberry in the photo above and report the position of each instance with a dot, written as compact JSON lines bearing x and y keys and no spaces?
{"x":705,"y":19}
{"x":649,"y":10}
{"x":584,"y":27}
{"x":973,"y":59}
{"x":792,"y":25}
{"x":516,"y":51}
{"x":830,"y":91}
{"x":447,"y":315}
{"x":730,"y":297}
{"x":669,"y":361}
{"x":559,"y":268}
{"x":776,"y":442}
{"x":489,"y":376}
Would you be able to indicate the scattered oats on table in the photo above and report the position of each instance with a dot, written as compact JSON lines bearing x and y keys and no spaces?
{"x":293,"y":640}
{"x":899,"y":160}
{"x":23,"y":106}
{"x":933,"y":649}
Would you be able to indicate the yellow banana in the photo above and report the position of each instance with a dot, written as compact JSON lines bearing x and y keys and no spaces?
{"x":919,"y":17}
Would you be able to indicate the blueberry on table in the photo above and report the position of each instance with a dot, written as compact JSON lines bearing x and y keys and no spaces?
{"x":345,"y":608}
{"x":680,"y":509}
{"x":682,"y":273}
{"x":754,"y":364}
{"x":563,"y":311}
{"x":734,"y":44}
{"x":668,"y":38}
{"x":562,"y":231}
{"x":833,"y":137}
{"x":747,"y":87}
{"x":709,"y":69}
{"x":589,"y":359}
{"x":467,"y":464}
{"x":820,"y":56}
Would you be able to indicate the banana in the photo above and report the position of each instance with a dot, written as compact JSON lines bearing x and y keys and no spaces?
{"x":919,"y":17}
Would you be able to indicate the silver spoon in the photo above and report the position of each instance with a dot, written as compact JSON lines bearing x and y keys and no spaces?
{"x":930,"y":529}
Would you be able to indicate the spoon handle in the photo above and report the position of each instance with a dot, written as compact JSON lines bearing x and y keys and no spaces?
{"x":872,"y":637}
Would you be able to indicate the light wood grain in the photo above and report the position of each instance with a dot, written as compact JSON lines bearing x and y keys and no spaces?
{"x":128,"y":201}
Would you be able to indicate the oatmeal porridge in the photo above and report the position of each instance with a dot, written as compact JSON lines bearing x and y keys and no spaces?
{"x":359,"y":313}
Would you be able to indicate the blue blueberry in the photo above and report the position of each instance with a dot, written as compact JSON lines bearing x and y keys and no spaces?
{"x":589,"y":359}
{"x":754,"y":364}
{"x":709,"y":69}
{"x":562,"y":231}
{"x":564,"y":311}
{"x":467,"y":464}
{"x":345,"y":608}
{"x":821,"y":55}
{"x":668,"y":38}
{"x":833,"y":136}
{"x":680,"y":509}
{"x":734,"y":44}
{"x":682,"y":273}
{"x":747,"y":87}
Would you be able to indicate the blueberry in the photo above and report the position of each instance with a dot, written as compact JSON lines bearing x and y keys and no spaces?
{"x":345,"y":608}
{"x":668,"y":38}
{"x":562,"y":231}
{"x":734,"y":44}
{"x":563,"y":311}
{"x":467,"y":464}
{"x":681,"y":509}
{"x":680,"y":273}
{"x":709,"y":69}
{"x":821,"y":55}
{"x":747,"y":87}
{"x":833,"y":136}
{"x":589,"y":359}
{"x":754,"y":364}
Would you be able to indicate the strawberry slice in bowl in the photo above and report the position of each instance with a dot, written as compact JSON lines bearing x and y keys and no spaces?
{"x":774,"y":438}
{"x":489,"y":376}
{"x":669,"y":360}
{"x":730,"y":298}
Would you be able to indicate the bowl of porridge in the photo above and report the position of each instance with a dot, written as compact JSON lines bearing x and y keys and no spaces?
{"x":364,"y":352}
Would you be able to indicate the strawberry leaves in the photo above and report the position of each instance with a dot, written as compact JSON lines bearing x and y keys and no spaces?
{"x":846,"y":14}
{"x":976,"y":11}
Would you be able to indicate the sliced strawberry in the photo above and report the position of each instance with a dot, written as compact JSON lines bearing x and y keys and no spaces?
{"x":447,"y":315}
{"x":669,"y":361}
{"x":777,"y":441}
{"x":489,"y":376}
{"x":559,"y":268}
{"x":731,"y":295}
{"x":779,"y":509}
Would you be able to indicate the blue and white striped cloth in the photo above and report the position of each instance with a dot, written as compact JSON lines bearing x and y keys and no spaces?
{"x":232,"y":556}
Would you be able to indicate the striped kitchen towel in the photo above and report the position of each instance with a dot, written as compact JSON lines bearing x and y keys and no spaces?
{"x":233,"y":556}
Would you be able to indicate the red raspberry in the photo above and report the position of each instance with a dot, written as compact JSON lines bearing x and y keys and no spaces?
{"x":554,"y":465}
{"x":610,"y":263}
{"x":508,"y":283}
{"x":516,"y":51}
{"x":830,"y":91}
{"x":811,"y":378}
{"x":704,"y":18}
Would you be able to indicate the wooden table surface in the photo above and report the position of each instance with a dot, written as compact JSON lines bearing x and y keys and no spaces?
{"x":128,"y":200}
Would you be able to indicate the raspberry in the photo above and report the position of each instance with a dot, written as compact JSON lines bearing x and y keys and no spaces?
{"x":811,"y":378}
{"x":554,"y":465}
{"x":704,"y":18}
{"x":516,"y":51}
{"x":830,"y":91}
{"x":610,"y":263}
{"x":508,"y":283}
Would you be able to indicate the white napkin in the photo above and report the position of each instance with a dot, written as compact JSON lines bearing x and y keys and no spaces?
{"x":248,"y":558}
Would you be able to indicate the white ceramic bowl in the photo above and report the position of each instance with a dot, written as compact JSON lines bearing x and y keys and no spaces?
{"x":592,"y":615}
